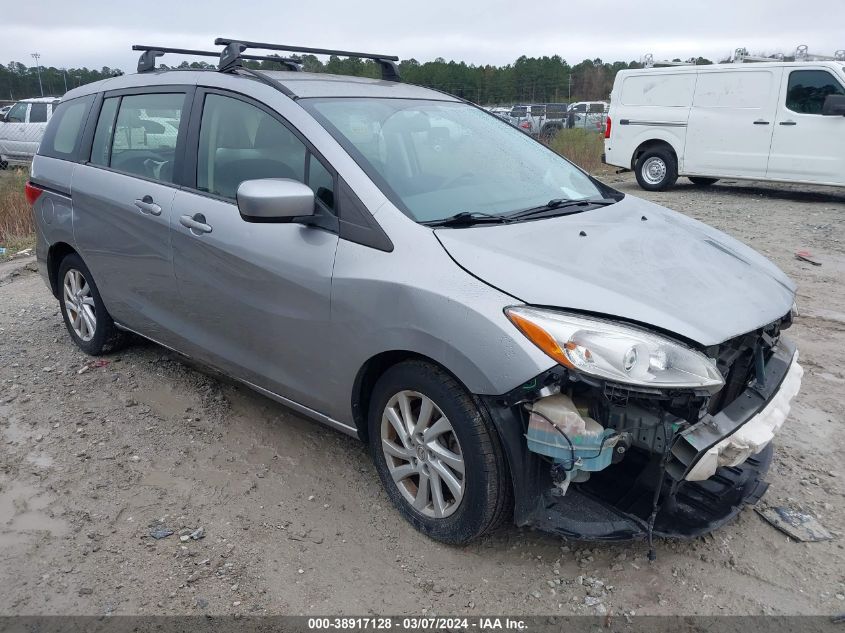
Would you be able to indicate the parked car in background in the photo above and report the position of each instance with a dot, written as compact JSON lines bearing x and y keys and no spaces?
{"x":514,"y":339}
{"x":22,"y":128}
{"x":540,"y":120}
{"x":775,"y":121}
{"x":528,"y":118}
{"x":589,"y":115}
{"x":554,"y":120}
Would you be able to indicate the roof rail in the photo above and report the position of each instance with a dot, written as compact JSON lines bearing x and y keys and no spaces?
{"x":147,"y":61}
{"x":235,"y":48}
{"x":801,"y":54}
{"x":741,"y":56}
{"x":649,"y":62}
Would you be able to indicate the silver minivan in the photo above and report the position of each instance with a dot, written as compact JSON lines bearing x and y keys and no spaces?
{"x":515,"y":340}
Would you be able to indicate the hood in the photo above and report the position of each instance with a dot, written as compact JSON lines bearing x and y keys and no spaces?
{"x":633,"y":260}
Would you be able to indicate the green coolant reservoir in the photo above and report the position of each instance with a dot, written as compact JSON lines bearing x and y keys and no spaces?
{"x":553,"y":417}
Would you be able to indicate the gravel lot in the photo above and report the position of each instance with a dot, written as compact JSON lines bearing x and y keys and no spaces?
{"x":93,"y":456}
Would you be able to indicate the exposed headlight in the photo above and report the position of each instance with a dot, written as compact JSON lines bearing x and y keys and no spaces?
{"x":614,"y":351}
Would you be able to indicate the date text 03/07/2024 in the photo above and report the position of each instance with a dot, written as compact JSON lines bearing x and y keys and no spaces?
{"x":422,"y":623}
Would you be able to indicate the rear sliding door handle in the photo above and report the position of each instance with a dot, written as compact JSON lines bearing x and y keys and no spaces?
{"x":788,"y":123}
{"x":196,"y":223}
{"x":761,"y":122}
{"x":146,"y":205}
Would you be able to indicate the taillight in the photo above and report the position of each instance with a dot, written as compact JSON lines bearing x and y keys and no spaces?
{"x":525,"y":125}
{"x":32,"y":192}
{"x":607,"y":128}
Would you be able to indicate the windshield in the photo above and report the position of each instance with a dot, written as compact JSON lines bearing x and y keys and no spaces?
{"x":435,"y":159}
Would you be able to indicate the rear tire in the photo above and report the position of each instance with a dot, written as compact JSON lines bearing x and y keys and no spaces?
{"x":86,"y":318}
{"x":656,"y":169}
{"x":549,"y":132}
{"x":459,"y":506}
{"x":702,"y":182}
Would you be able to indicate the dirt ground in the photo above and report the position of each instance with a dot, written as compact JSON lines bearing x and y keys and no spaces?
{"x":95,"y":457}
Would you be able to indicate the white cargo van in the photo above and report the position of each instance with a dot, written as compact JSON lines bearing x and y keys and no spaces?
{"x":778,"y":121}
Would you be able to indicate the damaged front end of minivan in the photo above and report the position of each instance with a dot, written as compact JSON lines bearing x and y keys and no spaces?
{"x":635,"y":434}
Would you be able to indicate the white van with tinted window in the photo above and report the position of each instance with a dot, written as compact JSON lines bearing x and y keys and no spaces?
{"x":22,"y":127}
{"x":778,"y":121}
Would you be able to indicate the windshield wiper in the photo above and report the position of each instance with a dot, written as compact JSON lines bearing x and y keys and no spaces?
{"x":468,"y":218}
{"x":560,"y":203}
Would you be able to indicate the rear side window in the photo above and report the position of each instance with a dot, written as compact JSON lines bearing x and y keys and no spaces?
{"x":38,"y":113}
{"x":61,"y":139}
{"x":808,"y":89}
{"x":239,"y":141}
{"x":141,"y":140}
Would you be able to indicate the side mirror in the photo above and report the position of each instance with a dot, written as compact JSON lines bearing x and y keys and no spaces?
{"x":834,"y":105}
{"x":274,"y":200}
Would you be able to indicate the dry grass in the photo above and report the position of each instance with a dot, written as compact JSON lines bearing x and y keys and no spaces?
{"x":582,"y":147}
{"x":16,"y":225}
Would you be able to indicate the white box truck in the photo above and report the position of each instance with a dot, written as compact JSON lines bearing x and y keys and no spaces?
{"x":775,"y":121}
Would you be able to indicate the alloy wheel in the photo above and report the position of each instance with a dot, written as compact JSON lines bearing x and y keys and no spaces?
{"x":79,"y":303}
{"x":423,"y":454}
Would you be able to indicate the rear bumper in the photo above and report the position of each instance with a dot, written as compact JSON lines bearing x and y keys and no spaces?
{"x":688,"y":508}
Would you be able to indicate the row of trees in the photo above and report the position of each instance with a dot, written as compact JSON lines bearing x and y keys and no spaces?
{"x":18,"y":81}
{"x":527,"y":80}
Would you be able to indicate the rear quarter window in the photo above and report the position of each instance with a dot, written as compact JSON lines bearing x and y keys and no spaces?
{"x":61,"y":139}
{"x":38,"y":113}
{"x":659,"y":89}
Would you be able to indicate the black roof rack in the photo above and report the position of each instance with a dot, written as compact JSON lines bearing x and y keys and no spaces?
{"x":147,"y":61}
{"x":235,"y":48}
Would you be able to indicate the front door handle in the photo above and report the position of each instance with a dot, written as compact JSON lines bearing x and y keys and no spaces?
{"x":788,"y":123}
{"x":196,"y":223}
{"x":146,"y":205}
{"x":761,"y":122}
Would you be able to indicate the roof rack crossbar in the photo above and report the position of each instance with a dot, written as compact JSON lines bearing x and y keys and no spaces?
{"x":146,"y":62}
{"x":389,"y":70}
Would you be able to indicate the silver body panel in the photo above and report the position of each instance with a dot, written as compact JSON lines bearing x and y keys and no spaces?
{"x":667,"y":271}
{"x":296,"y":312}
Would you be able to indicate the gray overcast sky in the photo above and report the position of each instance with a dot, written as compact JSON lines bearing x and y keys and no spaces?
{"x":99,"y":33}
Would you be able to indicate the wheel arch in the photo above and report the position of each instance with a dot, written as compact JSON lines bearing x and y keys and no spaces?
{"x":654,"y":143}
{"x":373,"y":369}
{"x":56,"y":253}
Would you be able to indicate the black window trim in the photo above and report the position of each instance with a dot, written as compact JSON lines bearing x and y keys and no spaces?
{"x":179,"y":155}
{"x":804,"y":70}
{"x":192,"y":145}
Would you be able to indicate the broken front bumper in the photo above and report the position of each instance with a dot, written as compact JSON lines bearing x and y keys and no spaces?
{"x":608,"y":510}
{"x":744,"y":427}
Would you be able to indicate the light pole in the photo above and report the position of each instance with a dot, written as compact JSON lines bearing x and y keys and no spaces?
{"x":37,"y":56}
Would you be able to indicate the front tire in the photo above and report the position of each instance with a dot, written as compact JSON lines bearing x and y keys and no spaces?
{"x":86,"y":318}
{"x":656,"y":169}
{"x":437,"y":453}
